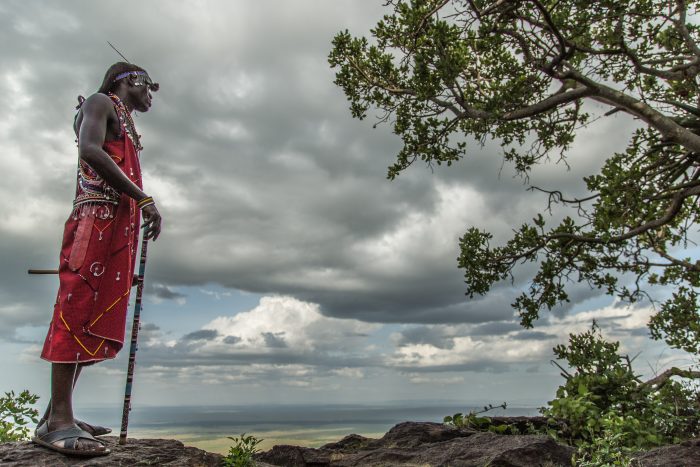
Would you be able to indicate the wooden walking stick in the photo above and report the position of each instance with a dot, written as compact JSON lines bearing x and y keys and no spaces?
{"x":134,"y":336}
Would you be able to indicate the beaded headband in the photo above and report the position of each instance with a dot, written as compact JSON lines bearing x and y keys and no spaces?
{"x":147,"y":81}
{"x":127,"y":73}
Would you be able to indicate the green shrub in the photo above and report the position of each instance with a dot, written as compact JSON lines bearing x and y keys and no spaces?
{"x":610,"y":449}
{"x":603,"y":394}
{"x":241,"y":453}
{"x":474,"y":421}
{"x":15,"y":415}
{"x":608,"y":412}
{"x":605,"y":410}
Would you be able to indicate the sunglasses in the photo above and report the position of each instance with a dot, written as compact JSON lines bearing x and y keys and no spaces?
{"x":145,"y":80}
{"x":142,"y":79}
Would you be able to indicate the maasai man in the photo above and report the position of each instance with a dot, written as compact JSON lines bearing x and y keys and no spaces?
{"x":99,"y":249}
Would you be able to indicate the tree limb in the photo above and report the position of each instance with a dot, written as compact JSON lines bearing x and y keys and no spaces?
{"x":683,"y":30}
{"x":672,"y":210}
{"x":664,"y":377}
{"x":547,"y":104}
{"x":430,"y":13}
{"x":663,"y":124}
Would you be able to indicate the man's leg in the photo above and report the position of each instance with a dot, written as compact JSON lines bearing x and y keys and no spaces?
{"x":76,"y":372}
{"x":63,"y":377}
{"x":94,"y":430}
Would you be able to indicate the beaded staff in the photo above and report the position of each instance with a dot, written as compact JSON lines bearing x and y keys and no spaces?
{"x":134,"y":336}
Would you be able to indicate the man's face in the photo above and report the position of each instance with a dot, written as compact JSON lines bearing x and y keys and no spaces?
{"x":143,"y":85}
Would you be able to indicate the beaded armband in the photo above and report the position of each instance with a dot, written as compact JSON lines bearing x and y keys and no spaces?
{"x":147,"y":201}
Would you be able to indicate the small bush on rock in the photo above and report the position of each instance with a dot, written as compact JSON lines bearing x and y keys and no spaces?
{"x":242,"y":452}
{"x":608,"y":412}
{"x":605,"y":396}
{"x":15,"y":415}
{"x":605,"y":409}
{"x":473,"y":420}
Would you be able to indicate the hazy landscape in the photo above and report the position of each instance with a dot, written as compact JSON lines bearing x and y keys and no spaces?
{"x":208,"y":428}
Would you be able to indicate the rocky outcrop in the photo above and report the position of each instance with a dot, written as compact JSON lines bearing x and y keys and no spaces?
{"x":685,"y":454}
{"x":427,"y":444}
{"x":416,"y":444}
{"x":136,"y":452}
{"x":437,"y":445}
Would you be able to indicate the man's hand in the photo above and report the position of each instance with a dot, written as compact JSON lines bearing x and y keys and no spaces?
{"x":152,"y":219}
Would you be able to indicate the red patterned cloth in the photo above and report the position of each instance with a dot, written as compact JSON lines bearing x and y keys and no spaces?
{"x":96,"y":267}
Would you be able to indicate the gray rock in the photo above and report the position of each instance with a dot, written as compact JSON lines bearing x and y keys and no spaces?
{"x":427,"y":444}
{"x":417,"y":444}
{"x":685,"y":454}
{"x":434,"y":444}
{"x":136,"y":452}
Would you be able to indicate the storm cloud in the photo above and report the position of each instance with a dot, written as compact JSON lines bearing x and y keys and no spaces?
{"x":269,"y":188}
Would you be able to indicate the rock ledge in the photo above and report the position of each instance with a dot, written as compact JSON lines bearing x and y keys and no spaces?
{"x":136,"y":452}
{"x":417,"y":444}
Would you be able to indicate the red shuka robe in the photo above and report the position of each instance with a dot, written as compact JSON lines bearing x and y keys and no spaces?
{"x":96,"y":262}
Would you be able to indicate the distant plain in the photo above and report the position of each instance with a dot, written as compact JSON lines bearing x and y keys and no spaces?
{"x":208,"y":428}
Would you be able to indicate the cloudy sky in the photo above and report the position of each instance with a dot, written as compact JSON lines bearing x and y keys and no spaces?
{"x":289,"y":269}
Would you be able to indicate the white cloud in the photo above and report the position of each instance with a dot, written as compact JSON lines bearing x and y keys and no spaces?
{"x":423,"y":235}
{"x":468,"y":350}
{"x":213,"y":293}
{"x":441,"y":346}
{"x":298,"y":326}
{"x":422,"y":378}
{"x":353,"y":373}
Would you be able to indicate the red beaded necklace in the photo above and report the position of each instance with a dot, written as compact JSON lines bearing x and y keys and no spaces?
{"x":127,"y":122}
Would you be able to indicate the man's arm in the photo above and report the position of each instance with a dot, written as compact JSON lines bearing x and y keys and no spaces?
{"x":96,"y":112}
{"x":93,"y":130}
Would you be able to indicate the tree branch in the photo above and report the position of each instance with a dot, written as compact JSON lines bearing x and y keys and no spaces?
{"x":677,"y":262}
{"x":549,"y":103}
{"x":558,"y":196}
{"x":430,"y":13}
{"x":672,"y":210}
{"x":663,"y":124}
{"x":664,"y":377}
{"x":683,"y":30}
{"x":554,"y":30}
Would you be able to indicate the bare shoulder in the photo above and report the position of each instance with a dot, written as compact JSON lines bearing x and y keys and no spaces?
{"x":97,"y":103}
{"x":96,"y":108}
{"x":98,"y":112}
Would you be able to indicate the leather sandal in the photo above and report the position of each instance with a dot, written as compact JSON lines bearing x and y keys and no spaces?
{"x":70,"y":437}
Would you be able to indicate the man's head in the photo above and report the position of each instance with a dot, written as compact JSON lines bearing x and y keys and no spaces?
{"x":131,"y":83}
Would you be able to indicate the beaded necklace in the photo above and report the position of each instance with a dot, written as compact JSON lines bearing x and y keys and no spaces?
{"x":127,"y":122}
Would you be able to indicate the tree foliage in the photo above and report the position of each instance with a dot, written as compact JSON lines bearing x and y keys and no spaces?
{"x":520,"y":71}
{"x":15,"y":415}
{"x":603,"y":408}
{"x":603,"y":386}
{"x":606,"y":410}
